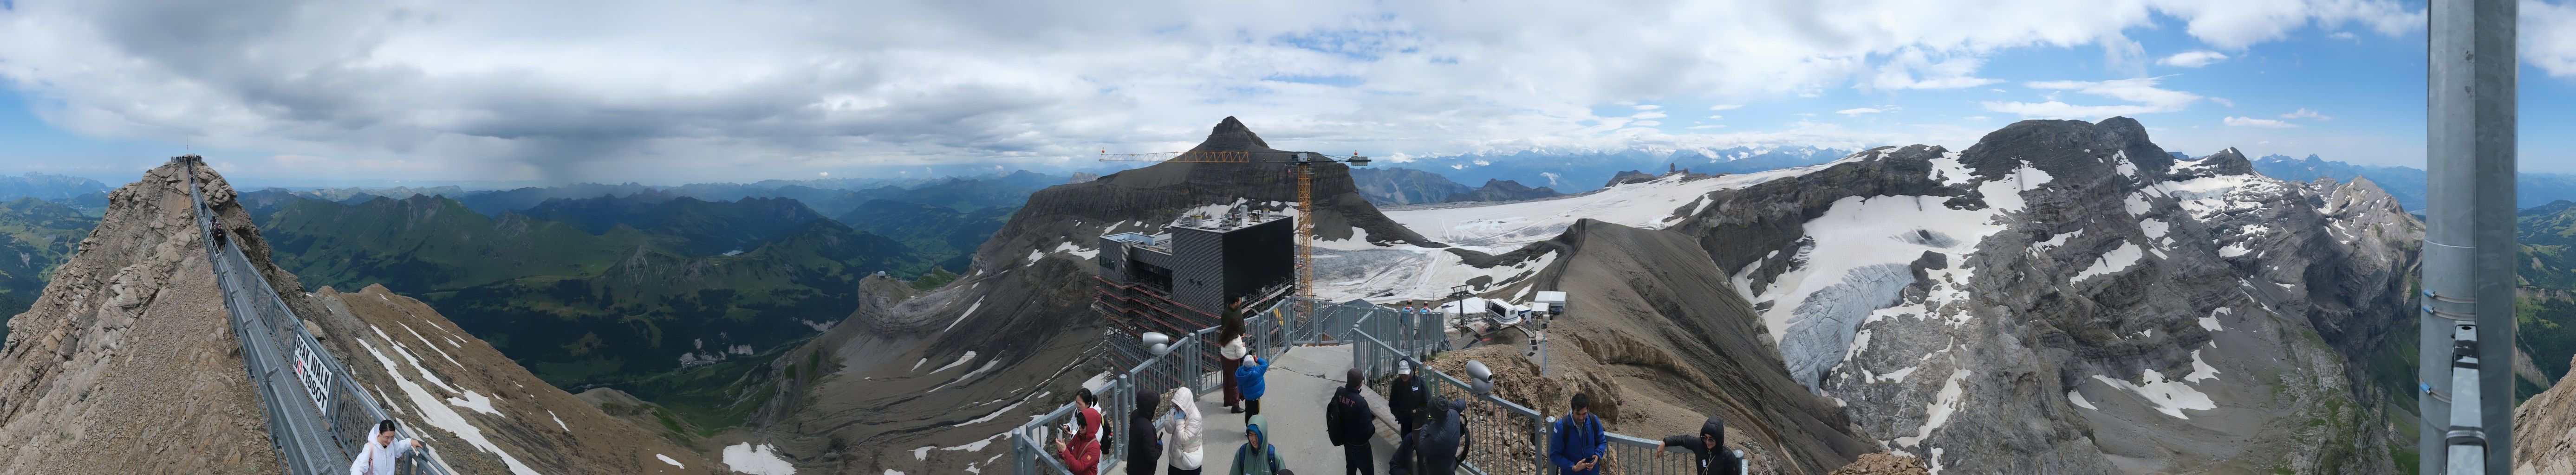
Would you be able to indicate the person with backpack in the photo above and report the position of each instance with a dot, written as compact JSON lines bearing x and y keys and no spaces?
{"x":1350,"y":423}
{"x":1709,"y":447}
{"x":1184,"y":425}
{"x":1439,"y":445}
{"x":1406,"y":398}
{"x":1081,"y":453}
{"x":1143,"y":446}
{"x":1256,"y":456}
{"x":1578,"y":442}
{"x":1250,"y":378}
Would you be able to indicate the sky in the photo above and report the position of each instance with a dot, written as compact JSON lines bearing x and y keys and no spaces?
{"x":682,"y":91}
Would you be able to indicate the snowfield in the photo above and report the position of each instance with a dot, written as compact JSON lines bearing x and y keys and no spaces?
{"x":1354,"y":268}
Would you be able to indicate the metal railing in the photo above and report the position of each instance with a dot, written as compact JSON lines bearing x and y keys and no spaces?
{"x":1193,"y":360}
{"x":319,"y":418}
{"x":1508,"y":438}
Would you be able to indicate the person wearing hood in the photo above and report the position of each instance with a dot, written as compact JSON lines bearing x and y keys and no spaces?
{"x":1406,"y":399}
{"x":1250,"y":377}
{"x":1443,"y":442}
{"x":1081,"y":451}
{"x":1579,"y":442}
{"x":1709,"y":447}
{"x":1349,"y":423}
{"x":1143,"y":446}
{"x":1256,"y":456}
{"x":1188,"y":455}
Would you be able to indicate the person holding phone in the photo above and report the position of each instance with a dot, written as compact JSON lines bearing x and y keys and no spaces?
{"x":1578,"y":442}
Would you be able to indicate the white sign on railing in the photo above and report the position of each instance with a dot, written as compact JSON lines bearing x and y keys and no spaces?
{"x":316,"y":377}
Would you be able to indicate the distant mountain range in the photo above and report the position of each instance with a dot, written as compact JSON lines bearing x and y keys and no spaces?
{"x":2407,"y":183}
{"x":48,"y":187}
{"x":1401,"y":186}
{"x":1580,"y":171}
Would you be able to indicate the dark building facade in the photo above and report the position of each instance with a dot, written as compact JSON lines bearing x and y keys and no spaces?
{"x":1180,"y":281}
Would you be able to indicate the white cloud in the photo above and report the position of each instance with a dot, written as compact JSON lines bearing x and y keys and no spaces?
{"x":1647,"y":107}
{"x":2236,"y":24}
{"x":2305,"y":113}
{"x":2253,"y":122}
{"x":1858,"y":111}
{"x":2142,"y":92}
{"x":2223,"y":101}
{"x":1710,"y":126}
{"x":2192,"y":59}
{"x":504,"y":90}
{"x":1721,"y":107}
{"x":1951,"y":73}
{"x":2549,"y":37}
{"x":1713,"y":117}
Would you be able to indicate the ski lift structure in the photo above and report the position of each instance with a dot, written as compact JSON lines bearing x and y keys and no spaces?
{"x":1480,"y":319}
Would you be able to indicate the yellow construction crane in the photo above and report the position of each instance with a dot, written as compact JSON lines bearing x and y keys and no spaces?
{"x":1304,"y":162}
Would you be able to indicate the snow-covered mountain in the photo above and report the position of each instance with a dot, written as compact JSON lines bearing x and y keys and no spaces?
{"x":2062,"y":297}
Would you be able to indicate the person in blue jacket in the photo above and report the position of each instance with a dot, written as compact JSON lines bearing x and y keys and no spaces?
{"x":1249,"y":377}
{"x":1578,"y":442}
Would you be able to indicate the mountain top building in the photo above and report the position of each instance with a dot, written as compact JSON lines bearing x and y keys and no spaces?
{"x":1179,"y":281}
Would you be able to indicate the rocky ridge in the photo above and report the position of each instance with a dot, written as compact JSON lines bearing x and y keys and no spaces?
{"x":128,"y":364}
{"x":2065,"y":297}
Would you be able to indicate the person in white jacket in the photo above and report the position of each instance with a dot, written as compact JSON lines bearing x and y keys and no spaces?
{"x":378,"y":456}
{"x":1182,"y":429}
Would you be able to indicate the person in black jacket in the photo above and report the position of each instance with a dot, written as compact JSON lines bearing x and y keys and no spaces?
{"x":1442,"y":442}
{"x":1709,"y":446}
{"x":1350,"y":423}
{"x":1144,"y":450}
{"x":1406,"y":397}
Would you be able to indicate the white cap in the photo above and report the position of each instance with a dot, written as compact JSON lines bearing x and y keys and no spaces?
{"x":1403,"y":367}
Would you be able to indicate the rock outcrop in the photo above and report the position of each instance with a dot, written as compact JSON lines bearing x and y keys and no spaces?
{"x":1679,"y":345}
{"x":128,"y":363}
{"x":2544,"y":432}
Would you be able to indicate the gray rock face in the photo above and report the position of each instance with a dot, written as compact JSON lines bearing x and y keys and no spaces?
{"x":2065,"y":297}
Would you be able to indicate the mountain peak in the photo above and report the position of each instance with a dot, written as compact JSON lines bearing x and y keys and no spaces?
{"x":2066,"y":147}
{"x":1231,"y":135}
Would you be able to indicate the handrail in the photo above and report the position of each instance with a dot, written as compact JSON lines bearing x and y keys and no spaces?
{"x":294,"y":419}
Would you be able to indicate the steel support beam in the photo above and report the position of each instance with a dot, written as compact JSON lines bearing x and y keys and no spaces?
{"x":2469,"y":237}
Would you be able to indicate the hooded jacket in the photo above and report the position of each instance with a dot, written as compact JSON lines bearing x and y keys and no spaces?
{"x":1249,"y":460}
{"x":1249,"y":376}
{"x":1184,"y":426}
{"x":1082,"y":453}
{"x":1717,"y":461}
{"x":1142,"y":446}
{"x":1440,"y":444}
{"x":1351,"y":422}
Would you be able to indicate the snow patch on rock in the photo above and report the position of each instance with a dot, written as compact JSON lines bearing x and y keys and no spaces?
{"x":760,"y":460}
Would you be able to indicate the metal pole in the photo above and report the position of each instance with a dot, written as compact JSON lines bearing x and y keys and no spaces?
{"x":2469,"y":239}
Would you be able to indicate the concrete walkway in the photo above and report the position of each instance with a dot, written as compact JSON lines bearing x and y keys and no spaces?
{"x":1300,"y":383}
